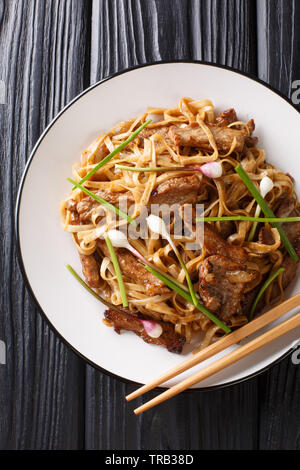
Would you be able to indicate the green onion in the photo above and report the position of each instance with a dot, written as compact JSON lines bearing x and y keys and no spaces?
{"x":266,"y":210}
{"x":187,"y":297}
{"x":188,"y":279}
{"x":155,"y":168}
{"x":265,"y":186}
{"x":103,"y":202}
{"x":250,"y":219}
{"x":252,"y":231}
{"x":114,"y":152}
{"x":157,"y":225}
{"x":179,"y":284}
{"x":117,"y":270}
{"x":74,"y":273}
{"x":262,"y":290}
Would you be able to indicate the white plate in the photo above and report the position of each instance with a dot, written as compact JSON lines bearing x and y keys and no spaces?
{"x":45,"y":249}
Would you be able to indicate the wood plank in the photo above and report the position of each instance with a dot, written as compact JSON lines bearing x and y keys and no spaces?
{"x":127,"y":33}
{"x":43,"y":50}
{"x":279,"y":65}
{"x":278,"y":40}
{"x":131,"y":32}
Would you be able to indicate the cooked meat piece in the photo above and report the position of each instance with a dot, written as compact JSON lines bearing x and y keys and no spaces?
{"x":214,"y":244}
{"x":251,"y":141}
{"x":251,"y":126}
{"x":221,"y":285}
{"x":226,"y":228}
{"x":163,"y":131}
{"x":125,"y":321}
{"x":290,"y":266}
{"x":194,"y":136}
{"x":90,"y":269}
{"x":265,"y":236}
{"x":74,"y":218}
{"x":85,"y":209}
{"x":226,"y":117}
{"x":71,"y":206}
{"x":86,"y":206}
{"x":287,"y":209}
{"x":114,"y":197}
{"x":133,"y":269}
{"x":181,"y":191}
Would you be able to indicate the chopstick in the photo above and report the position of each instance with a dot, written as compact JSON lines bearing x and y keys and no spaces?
{"x":220,"y":345}
{"x":224,"y":362}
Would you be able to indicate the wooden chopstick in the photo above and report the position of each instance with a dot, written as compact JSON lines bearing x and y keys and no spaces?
{"x":224,"y":362}
{"x":220,"y":345}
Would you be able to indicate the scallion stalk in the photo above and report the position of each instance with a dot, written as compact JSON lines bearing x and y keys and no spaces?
{"x":262,"y":290}
{"x":254,"y":225}
{"x":114,"y":152}
{"x":272,"y":220}
{"x":188,"y":279}
{"x":155,"y":168}
{"x":103,"y":202}
{"x":81,"y":281}
{"x":117,"y":270}
{"x":266,"y":210}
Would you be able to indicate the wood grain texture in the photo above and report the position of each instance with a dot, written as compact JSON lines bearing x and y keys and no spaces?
{"x":278,"y":43}
{"x":43,"y":63}
{"x":131,"y":32}
{"x":279,"y":64}
{"x":126,"y":33}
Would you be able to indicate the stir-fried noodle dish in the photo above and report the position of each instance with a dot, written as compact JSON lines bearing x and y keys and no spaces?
{"x":175,"y":216}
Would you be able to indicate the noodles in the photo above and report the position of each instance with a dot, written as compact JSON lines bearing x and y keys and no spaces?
{"x":164,"y":143}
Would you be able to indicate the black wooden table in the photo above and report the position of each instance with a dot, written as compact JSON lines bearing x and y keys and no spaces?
{"x":50,"y":50}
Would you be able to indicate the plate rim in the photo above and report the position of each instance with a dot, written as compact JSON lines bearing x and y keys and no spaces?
{"x":17,"y":224}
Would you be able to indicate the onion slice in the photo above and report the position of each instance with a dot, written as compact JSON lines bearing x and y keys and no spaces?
{"x":152,"y":328}
{"x":212,"y":169}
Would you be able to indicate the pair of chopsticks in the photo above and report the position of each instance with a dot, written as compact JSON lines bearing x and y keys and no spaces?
{"x":220,"y":345}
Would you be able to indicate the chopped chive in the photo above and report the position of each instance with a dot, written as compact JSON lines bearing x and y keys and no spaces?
{"x":103,"y":202}
{"x":254,"y":225}
{"x":266,"y":210}
{"x":144,"y":261}
{"x":155,"y":168}
{"x":81,"y":281}
{"x":117,"y":270}
{"x":114,"y":152}
{"x":262,"y":290}
{"x":187,"y":297}
{"x":188,"y":279}
{"x":250,"y":219}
